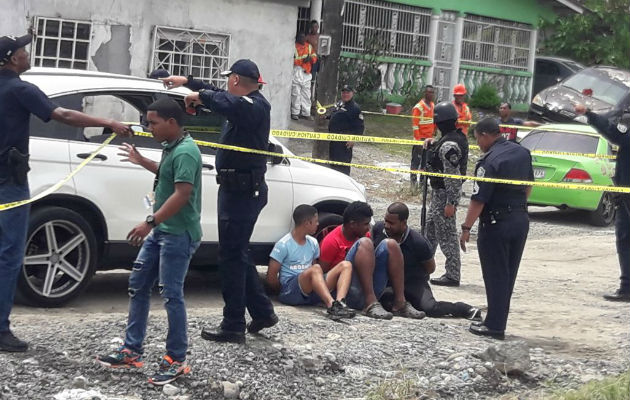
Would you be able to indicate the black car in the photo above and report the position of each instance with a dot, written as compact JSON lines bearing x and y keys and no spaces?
{"x":605,"y":90}
{"x":549,"y":71}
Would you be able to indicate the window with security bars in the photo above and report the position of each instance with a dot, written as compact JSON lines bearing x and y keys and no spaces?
{"x":61,"y":43}
{"x":188,"y":52}
{"x":392,"y":29}
{"x":488,"y":42}
{"x":304,"y":19}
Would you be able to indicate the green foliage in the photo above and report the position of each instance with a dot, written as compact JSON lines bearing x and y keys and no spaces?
{"x":615,"y":388}
{"x":370,"y":101}
{"x":485,"y":97}
{"x":601,"y":37}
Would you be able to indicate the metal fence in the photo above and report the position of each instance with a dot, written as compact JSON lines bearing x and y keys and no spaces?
{"x":387,"y":28}
{"x":494,"y":43}
{"x":189,"y":52}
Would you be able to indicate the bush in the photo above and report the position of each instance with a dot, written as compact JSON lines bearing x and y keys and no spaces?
{"x":485,"y":97}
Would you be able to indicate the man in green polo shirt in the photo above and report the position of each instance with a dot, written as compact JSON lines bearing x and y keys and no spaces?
{"x":172,"y":234}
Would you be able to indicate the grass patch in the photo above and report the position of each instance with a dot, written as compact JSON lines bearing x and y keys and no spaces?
{"x":389,"y":127}
{"x":394,"y":390}
{"x":613,"y":388}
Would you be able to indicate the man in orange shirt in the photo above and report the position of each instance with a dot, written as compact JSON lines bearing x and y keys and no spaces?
{"x":303,"y":61}
{"x":423,"y":128}
{"x":459,"y":91}
{"x":313,"y":38}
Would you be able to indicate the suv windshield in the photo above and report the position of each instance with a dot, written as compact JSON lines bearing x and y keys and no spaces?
{"x":603,"y":87}
{"x":560,"y":141}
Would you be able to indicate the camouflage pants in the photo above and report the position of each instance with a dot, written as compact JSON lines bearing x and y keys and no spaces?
{"x":443,"y":231}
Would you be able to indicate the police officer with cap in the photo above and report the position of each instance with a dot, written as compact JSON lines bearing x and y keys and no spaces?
{"x":617,"y":134}
{"x":448,"y":155}
{"x":346,"y":118}
{"x":503,"y":221}
{"x":242,"y":196}
{"x":18,"y":100}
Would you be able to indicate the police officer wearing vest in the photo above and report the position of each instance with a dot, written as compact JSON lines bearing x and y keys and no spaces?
{"x":18,"y":100}
{"x":617,"y":134}
{"x":242,"y":196}
{"x":503,"y":221}
{"x":346,"y":118}
{"x":448,"y":155}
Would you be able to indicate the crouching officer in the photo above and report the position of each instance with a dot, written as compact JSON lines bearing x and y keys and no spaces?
{"x":346,"y":118}
{"x":242,"y":196}
{"x":448,"y":155}
{"x":617,"y":134}
{"x":503,"y":224}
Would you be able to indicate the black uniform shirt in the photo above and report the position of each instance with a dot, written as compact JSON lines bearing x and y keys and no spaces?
{"x":616,"y":134}
{"x":18,"y":100}
{"x":247,"y":125}
{"x":346,"y":118}
{"x":416,"y":251}
{"x":506,"y":160}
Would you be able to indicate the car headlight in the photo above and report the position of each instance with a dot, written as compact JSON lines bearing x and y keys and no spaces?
{"x":538,"y":101}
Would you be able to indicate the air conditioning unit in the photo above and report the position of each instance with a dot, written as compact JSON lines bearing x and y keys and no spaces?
{"x":323,"y":45}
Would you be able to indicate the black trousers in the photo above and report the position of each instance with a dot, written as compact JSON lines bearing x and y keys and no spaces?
{"x":338,"y":151}
{"x":420,"y":295}
{"x":240,"y":284}
{"x":416,"y":160}
{"x":622,"y":233}
{"x":500,"y":250}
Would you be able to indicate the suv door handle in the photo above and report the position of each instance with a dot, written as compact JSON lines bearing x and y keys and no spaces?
{"x":101,"y":157}
{"x":209,"y":166}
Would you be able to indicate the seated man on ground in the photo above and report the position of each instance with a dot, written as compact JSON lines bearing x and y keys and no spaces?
{"x":371,"y":268}
{"x":302,"y":281}
{"x":419,"y":264}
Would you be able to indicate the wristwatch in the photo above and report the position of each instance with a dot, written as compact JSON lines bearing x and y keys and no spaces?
{"x":151,"y":221}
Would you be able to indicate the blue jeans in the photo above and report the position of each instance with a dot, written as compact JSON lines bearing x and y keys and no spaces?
{"x":355,"y":297}
{"x":163,"y":258}
{"x":13,"y":228}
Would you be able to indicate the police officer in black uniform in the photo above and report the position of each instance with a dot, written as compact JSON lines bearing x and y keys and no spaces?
{"x":503,"y":221}
{"x":617,"y":134}
{"x":242,"y":196}
{"x":346,"y":118}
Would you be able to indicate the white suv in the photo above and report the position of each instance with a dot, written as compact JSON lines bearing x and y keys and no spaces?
{"x":83,"y":226}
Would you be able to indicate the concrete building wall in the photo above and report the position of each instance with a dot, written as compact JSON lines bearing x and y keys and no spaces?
{"x":263,"y":31}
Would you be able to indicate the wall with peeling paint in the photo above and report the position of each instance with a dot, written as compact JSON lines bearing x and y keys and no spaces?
{"x":261,"y":30}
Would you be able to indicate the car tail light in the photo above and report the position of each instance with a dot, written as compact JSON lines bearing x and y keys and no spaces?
{"x":576,"y":175}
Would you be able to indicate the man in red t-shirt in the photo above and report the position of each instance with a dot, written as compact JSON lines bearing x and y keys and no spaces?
{"x":371,"y":268}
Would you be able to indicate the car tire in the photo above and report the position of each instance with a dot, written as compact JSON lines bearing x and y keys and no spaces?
{"x":327,"y":222}
{"x":604,"y":215}
{"x":60,"y":259}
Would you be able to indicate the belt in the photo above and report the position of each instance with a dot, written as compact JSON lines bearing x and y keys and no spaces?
{"x":235,"y":180}
{"x":500,"y":213}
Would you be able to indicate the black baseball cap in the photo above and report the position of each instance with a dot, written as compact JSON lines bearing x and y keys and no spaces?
{"x":244,"y":67}
{"x":10,"y":44}
{"x":347,"y":88}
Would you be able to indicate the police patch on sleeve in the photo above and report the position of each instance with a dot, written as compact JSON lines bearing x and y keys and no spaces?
{"x":361,"y":117}
{"x":481,"y":172}
{"x":622,"y":128}
{"x":247,"y":99}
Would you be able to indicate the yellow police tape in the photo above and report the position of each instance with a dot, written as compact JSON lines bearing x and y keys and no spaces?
{"x":62,"y":182}
{"x":337,"y":137}
{"x":570,"y":186}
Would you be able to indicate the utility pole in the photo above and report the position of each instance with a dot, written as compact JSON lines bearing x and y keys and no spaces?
{"x":327,"y":78}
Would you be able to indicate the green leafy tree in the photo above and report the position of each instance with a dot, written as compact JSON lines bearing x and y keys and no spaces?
{"x":598,"y":37}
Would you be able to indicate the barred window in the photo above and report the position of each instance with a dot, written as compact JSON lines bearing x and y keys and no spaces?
{"x":304,"y":19}
{"x":188,"y":52}
{"x":388,"y":28}
{"x":61,"y":43}
{"x":495,"y":43}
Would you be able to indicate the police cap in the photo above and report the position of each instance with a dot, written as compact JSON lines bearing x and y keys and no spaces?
{"x":244,"y":67}
{"x":10,"y":44}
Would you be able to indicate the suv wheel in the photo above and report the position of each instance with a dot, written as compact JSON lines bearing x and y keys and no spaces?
{"x":60,"y":257}
{"x":327,"y":222}
{"x":605,"y":212}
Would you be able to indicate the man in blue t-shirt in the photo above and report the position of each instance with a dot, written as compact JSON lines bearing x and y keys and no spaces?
{"x":294,"y":273}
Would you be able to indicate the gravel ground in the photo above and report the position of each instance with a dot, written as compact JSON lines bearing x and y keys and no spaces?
{"x":561,"y":335}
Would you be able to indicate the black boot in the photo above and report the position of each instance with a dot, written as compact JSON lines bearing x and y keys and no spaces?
{"x":444,"y":281}
{"x":220,"y":335}
{"x":618,"y":295}
{"x":8,"y":342}
{"x":259,"y":324}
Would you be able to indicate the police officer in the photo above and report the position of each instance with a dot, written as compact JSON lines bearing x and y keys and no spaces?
{"x":504,"y":223}
{"x":617,"y":134}
{"x":18,"y":100}
{"x":448,"y":155}
{"x":242,"y":196}
{"x":346,"y":118}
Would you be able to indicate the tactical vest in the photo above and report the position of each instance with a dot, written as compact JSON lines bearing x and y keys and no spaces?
{"x":435,"y":163}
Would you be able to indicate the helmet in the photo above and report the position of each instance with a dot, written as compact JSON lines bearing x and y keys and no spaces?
{"x":459,"y":89}
{"x":444,"y":111}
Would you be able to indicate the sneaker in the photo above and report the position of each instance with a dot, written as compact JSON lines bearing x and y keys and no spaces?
{"x":121,"y":358}
{"x":338,"y":310}
{"x":168,"y":371}
{"x":9,"y":343}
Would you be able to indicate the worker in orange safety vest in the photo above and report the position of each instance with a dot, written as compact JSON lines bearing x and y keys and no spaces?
{"x":303,"y":61}
{"x":423,"y":128}
{"x":459,"y":91}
